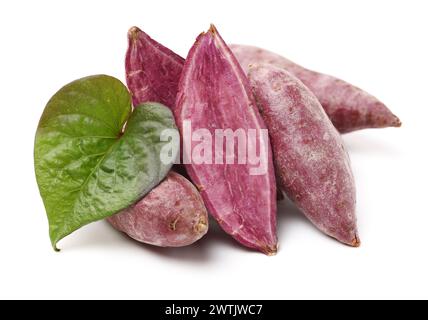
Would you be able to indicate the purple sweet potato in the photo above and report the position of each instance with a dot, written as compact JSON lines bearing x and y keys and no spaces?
{"x":152,"y":70}
{"x":312,"y":165}
{"x":171,"y":215}
{"x":214,"y":93}
{"x":348,"y":107}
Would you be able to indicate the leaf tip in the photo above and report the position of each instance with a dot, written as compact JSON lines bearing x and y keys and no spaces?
{"x":54,"y":237}
{"x":54,"y":247}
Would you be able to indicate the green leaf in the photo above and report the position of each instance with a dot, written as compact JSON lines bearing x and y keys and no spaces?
{"x":88,"y":167}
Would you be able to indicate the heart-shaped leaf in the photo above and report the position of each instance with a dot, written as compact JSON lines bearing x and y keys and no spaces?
{"x":94,"y":156}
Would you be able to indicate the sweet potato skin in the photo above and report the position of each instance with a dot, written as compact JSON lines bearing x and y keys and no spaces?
{"x":152,"y":70}
{"x":214,"y":93}
{"x":348,"y":107}
{"x":312,"y":165}
{"x":171,"y":215}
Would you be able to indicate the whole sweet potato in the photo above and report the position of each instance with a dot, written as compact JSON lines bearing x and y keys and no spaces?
{"x":348,"y":107}
{"x":171,"y":215}
{"x":312,"y":165}
{"x":213,"y":94}
{"x":152,"y":70}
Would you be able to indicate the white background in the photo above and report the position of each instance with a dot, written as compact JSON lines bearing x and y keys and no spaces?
{"x":379,"y":45}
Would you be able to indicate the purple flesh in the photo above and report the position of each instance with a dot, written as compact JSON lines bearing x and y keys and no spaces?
{"x":152,"y":70}
{"x":214,"y":93}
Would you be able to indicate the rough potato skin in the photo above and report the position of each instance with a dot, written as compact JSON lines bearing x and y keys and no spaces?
{"x":152,"y":70}
{"x":312,"y":165}
{"x":171,"y":215}
{"x":214,"y":93}
{"x":348,"y":107}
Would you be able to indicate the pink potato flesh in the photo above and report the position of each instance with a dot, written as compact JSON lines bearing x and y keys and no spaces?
{"x":348,"y":107}
{"x":312,"y":165}
{"x":152,"y":73}
{"x":152,"y":70}
{"x":214,"y":93}
{"x":171,"y":215}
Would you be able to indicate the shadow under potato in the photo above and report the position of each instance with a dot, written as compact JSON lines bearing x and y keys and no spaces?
{"x":216,"y":239}
{"x":200,"y":252}
{"x":359,"y":143}
{"x":205,"y":249}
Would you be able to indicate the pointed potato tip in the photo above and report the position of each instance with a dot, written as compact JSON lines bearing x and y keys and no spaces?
{"x":133,"y":33}
{"x":270,"y":250}
{"x":212,"y":29}
{"x":356,"y":243}
{"x":397,"y":122}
